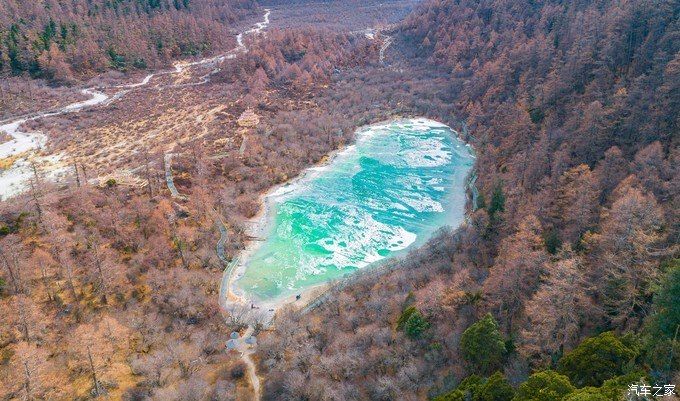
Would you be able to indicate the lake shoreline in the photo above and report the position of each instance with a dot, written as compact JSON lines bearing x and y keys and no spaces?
{"x":261,"y":223}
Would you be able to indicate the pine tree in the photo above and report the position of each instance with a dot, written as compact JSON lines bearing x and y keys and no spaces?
{"x":482,"y":345}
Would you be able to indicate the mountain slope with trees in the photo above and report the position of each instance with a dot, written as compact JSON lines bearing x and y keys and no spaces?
{"x":59,"y":40}
{"x":573,"y":110}
{"x":562,"y":285}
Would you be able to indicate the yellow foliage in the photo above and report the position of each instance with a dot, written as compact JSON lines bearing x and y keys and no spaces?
{"x":7,"y":162}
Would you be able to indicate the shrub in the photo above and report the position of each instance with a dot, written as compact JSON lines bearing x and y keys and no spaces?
{"x":466,"y":390}
{"x":416,"y":325}
{"x":595,"y":360}
{"x":552,"y":241}
{"x":661,"y":350}
{"x":497,"y":203}
{"x":238,"y":371}
{"x":482,"y":345}
{"x":471,"y":383}
{"x":666,"y":320}
{"x":481,"y":201}
{"x":405,"y":315}
{"x":547,"y":385}
{"x":587,"y":394}
{"x":136,"y":394}
{"x":453,"y":395}
{"x":496,"y":388}
{"x":616,"y":388}
{"x":537,"y":115}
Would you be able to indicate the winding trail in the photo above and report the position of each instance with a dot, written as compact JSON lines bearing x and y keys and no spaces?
{"x":23,"y":144}
{"x":386,"y":43}
{"x":228,"y":266}
{"x":376,"y":34}
{"x":250,"y":365}
{"x":169,"y":179}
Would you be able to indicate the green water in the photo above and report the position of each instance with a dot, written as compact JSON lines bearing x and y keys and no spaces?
{"x":399,"y":183}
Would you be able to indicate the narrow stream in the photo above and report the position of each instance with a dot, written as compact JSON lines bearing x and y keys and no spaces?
{"x":23,"y":143}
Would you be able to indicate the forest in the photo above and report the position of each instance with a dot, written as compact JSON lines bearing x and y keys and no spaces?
{"x":115,"y":288}
{"x":562,"y":285}
{"x":61,"y":41}
{"x":572,"y":247}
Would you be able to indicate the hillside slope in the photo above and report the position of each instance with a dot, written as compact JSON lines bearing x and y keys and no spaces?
{"x":58,"y":40}
{"x":573,"y":107}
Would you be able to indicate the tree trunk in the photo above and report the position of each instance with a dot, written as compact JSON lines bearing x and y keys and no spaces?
{"x":75,"y":167}
{"x":13,"y":275}
{"x":35,"y":184}
{"x":179,"y":243}
{"x":46,"y":283}
{"x":69,"y":280}
{"x":82,"y":167}
{"x":27,"y":382}
{"x":98,"y":264}
{"x":181,"y":252}
{"x":95,"y":381}
{"x":24,"y":322}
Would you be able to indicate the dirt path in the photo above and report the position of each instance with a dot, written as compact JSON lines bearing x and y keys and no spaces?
{"x":386,"y":43}
{"x":250,"y":365}
{"x":23,"y":144}
{"x":228,"y":265}
{"x":169,"y":179}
